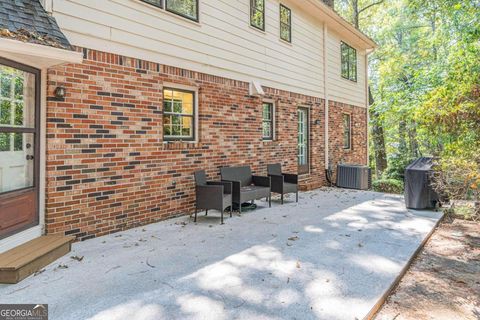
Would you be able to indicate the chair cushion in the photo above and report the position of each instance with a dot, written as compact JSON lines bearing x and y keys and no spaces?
{"x":274,"y":169}
{"x":289,"y":187}
{"x":242,"y":174}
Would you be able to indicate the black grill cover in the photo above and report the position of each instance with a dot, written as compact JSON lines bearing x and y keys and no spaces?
{"x":418,"y":192}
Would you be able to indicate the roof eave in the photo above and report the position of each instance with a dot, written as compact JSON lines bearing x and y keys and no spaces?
{"x":38,"y":55}
{"x":332,"y":16}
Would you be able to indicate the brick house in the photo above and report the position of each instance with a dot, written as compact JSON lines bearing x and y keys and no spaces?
{"x":108,"y":106}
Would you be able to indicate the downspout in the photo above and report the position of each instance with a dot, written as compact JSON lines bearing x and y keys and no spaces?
{"x":327,"y":100}
{"x":367,"y":103}
{"x":325,"y":89}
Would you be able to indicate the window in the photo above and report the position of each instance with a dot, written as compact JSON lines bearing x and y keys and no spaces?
{"x":303,"y":141}
{"x":349,"y":62}
{"x":185,"y":8}
{"x":257,"y":14}
{"x":285,"y":23}
{"x":267,"y":121}
{"x":178,"y":115}
{"x":157,"y":3}
{"x":347,"y":131}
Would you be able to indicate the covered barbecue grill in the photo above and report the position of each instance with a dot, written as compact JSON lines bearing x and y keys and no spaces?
{"x":419,"y":193}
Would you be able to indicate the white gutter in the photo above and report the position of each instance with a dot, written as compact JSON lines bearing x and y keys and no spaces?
{"x":325,"y":88}
{"x":43,"y":56}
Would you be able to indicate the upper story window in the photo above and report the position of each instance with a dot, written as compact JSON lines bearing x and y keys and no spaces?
{"x":257,"y":14}
{"x":178,"y":115}
{"x":347,"y":131}
{"x":267,"y":121}
{"x":349,"y":62}
{"x":285,"y":23}
{"x":184,"y":8}
{"x":157,"y":3}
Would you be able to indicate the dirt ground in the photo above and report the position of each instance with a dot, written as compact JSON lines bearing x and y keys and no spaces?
{"x":444,"y":280}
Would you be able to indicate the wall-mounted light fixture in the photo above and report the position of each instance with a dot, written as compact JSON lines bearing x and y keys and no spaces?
{"x":317,"y":122}
{"x":60,"y":92}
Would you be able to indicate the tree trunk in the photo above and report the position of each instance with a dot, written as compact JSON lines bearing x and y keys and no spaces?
{"x":355,"y":14}
{"x":402,"y":137}
{"x":412,"y":137}
{"x":378,"y":138}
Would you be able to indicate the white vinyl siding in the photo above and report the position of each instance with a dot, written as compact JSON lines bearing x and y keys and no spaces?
{"x":223,"y":43}
{"x":341,"y":89}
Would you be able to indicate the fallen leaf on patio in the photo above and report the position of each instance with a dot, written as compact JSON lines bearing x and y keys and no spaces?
{"x":347,"y":235}
{"x":62,"y":266}
{"x":298,"y":265}
{"x":77,"y":258}
{"x":288,"y":280}
{"x":328,"y":280}
{"x":118,"y":236}
{"x":295,"y":238}
{"x":360,"y":245}
{"x":289,"y":244}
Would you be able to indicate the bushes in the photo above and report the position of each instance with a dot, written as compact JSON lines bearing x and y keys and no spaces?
{"x":388,"y":186}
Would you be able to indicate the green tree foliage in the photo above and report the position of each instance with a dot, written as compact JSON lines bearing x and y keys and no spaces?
{"x":425,"y":77}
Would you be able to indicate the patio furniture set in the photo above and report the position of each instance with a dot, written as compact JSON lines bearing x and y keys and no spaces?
{"x":238,"y":185}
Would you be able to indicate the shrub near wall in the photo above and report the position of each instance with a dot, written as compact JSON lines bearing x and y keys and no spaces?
{"x":388,"y":186}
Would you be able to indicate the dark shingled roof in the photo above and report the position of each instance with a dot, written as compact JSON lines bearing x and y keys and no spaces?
{"x":27,"y":21}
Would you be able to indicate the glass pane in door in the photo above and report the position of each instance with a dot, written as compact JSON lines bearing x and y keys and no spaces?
{"x":17,"y":98}
{"x":17,"y":129}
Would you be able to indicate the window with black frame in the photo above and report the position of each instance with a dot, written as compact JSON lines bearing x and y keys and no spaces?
{"x":349,"y":62}
{"x":257,"y":14}
{"x":185,"y":8}
{"x":347,"y":131}
{"x":285,"y":23}
{"x":156,"y":3}
{"x":267,"y":121}
{"x":178,"y":115}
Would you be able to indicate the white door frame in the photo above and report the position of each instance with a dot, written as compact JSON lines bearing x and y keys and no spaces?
{"x":38,"y":230}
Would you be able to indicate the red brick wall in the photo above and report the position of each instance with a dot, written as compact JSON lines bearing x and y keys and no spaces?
{"x":107,"y":166}
{"x":357,"y":154}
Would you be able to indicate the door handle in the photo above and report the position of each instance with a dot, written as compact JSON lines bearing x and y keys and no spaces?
{"x":30,"y":157}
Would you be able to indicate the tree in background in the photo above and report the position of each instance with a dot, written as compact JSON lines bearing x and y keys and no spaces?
{"x":425,"y":78}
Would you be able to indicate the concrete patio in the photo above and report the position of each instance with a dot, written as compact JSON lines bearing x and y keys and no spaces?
{"x":331,"y":256}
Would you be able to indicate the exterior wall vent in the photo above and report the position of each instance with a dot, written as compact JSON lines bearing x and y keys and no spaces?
{"x":352,"y":176}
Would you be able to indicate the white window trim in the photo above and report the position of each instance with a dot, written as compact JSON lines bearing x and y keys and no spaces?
{"x":274,"y":120}
{"x":194,"y":89}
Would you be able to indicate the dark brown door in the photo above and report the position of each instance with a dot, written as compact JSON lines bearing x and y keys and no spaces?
{"x":19,"y":141}
{"x":303,"y":141}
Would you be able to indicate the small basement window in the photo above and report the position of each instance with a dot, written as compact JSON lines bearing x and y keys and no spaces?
{"x":178,"y":115}
{"x":349,"y":62}
{"x":285,"y":23}
{"x":257,"y":14}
